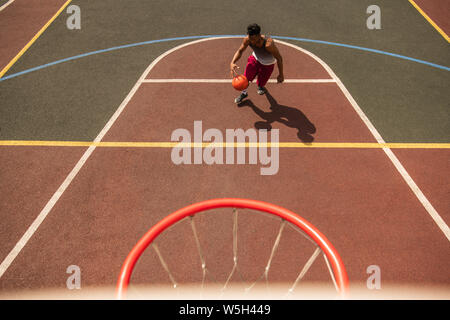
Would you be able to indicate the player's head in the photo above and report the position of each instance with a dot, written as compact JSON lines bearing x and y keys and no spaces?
{"x":254,"y":34}
{"x":253,"y":29}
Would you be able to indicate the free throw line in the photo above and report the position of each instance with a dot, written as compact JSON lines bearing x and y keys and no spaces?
{"x":229,"y":81}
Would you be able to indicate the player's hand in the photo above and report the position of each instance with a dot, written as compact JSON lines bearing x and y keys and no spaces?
{"x":233,"y":69}
{"x":280,"y":78}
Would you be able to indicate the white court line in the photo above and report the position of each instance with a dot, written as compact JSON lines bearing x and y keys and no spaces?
{"x":62,"y":188}
{"x":6,"y":4}
{"x":57,"y":195}
{"x":229,"y":81}
{"x":405,"y":175}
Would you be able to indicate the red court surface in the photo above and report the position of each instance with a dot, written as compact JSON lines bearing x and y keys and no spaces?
{"x":356,"y":197}
{"x":214,"y":62}
{"x":428,"y":169}
{"x":438,"y":11}
{"x":159,"y":109}
{"x":30,"y":176}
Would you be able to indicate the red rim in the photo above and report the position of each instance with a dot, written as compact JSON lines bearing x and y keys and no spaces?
{"x":336,"y":263}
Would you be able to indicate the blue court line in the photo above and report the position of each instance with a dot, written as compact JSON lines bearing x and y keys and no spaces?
{"x":219,"y":36}
{"x":366,"y":49}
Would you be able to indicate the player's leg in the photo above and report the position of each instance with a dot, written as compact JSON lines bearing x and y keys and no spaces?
{"x":264,"y":73}
{"x":250,"y":73}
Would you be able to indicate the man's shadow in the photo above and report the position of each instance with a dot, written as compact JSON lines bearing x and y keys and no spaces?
{"x":289,"y":116}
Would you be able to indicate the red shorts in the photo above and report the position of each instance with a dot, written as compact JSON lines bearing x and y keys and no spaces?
{"x":254,"y":68}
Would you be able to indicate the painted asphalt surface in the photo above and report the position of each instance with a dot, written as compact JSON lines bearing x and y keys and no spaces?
{"x":108,"y":197}
{"x":112,"y":190}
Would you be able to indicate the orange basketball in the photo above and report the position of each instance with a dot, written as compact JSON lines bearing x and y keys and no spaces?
{"x":240,"y":82}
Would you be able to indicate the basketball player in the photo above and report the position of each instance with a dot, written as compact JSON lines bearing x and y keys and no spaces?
{"x":261,"y":63}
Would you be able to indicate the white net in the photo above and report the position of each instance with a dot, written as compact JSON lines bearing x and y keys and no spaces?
{"x":244,"y":253}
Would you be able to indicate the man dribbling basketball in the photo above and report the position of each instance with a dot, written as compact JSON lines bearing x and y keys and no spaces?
{"x":261,"y":63}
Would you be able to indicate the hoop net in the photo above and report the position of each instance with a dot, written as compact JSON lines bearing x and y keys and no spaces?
{"x":322,"y":245}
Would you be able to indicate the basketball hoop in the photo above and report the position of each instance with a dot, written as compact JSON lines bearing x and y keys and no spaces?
{"x":331,"y":256}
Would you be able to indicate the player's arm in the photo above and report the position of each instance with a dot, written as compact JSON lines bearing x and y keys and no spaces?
{"x":272,"y":48}
{"x":238,"y":55}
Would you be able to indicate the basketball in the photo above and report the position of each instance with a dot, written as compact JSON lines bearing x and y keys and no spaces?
{"x":240,"y":82}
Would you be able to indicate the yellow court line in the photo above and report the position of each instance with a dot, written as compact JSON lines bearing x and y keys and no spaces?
{"x":430,"y":21}
{"x":335,"y":145}
{"x":36,"y":36}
